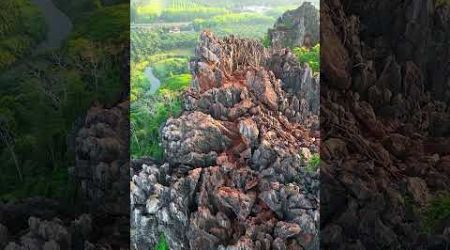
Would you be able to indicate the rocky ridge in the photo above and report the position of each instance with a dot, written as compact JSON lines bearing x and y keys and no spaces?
{"x":235,"y":174}
{"x":384,"y":136}
{"x":295,"y":28}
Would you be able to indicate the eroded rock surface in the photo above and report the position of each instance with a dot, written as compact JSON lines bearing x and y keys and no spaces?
{"x":102,"y":170}
{"x":235,"y":176}
{"x":37,"y":233}
{"x":102,"y":157}
{"x":299,"y":27}
{"x":382,"y":156}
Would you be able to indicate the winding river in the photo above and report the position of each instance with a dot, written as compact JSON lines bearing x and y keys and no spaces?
{"x":155,"y":83}
{"x":59,"y":25}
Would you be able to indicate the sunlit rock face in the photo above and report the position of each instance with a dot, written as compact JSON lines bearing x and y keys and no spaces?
{"x":235,"y":174}
{"x":297,"y":27}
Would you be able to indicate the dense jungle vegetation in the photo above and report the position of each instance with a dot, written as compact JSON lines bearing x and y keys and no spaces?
{"x":44,"y":98}
{"x":22,"y":26}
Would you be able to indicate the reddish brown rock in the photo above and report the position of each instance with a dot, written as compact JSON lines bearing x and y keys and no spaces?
{"x":233,"y":176}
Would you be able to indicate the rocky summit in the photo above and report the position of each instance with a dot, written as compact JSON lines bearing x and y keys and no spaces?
{"x":299,"y":27}
{"x":235,"y":173}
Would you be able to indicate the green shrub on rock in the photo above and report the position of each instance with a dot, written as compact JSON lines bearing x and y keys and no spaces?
{"x":309,"y":56}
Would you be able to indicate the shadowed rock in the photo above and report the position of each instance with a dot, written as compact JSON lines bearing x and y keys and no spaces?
{"x":379,"y":95}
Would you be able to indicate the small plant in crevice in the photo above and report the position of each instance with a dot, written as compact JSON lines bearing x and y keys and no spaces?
{"x":309,"y":56}
{"x":162,"y":243}
{"x":313,"y":163}
{"x":267,"y":43}
{"x":436,"y":213}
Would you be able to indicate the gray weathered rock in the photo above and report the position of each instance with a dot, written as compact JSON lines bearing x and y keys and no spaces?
{"x":233,"y":177}
{"x":296,"y":26}
{"x":195,"y":139}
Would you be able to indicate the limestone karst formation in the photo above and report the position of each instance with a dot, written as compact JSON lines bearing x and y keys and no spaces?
{"x":235,"y":174}
{"x":384,"y":124}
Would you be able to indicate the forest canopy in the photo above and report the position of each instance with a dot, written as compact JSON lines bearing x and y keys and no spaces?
{"x":43,"y":99}
{"x":22,"y":26}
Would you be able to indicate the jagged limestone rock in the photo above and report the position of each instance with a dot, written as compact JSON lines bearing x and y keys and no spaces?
{"x":233,"y":177}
